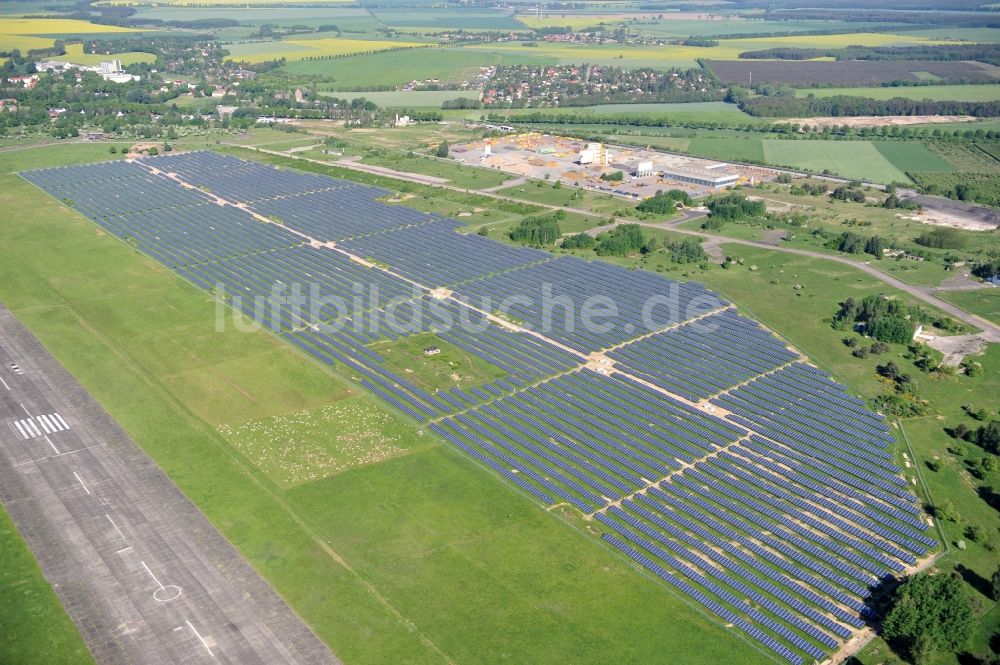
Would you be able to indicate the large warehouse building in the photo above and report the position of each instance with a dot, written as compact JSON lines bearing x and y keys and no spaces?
{"x":713,"y":176}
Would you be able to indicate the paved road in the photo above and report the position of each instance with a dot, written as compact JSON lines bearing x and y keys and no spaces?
{"x":143,"y":575}
{"x":991,"y":331}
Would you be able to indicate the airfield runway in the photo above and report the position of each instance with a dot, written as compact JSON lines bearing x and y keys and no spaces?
{"x":143,"y":575}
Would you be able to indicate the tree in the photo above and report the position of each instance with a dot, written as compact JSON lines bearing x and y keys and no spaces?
{"x":538,"y":230}
{"x":942,"y":238}
{"x":579,"y":241}
{"x":664,"y":202}
{"x":988,"y":437}
{"x":442,"y":150}
{"x":929,"y":613}
{"x":996,"y":584}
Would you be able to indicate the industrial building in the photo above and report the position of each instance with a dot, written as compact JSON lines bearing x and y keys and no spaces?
{"x":714,"y":176}
{"x":577,"y":163}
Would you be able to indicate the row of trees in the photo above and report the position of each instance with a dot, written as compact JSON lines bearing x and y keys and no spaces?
{"x":944,"y":52}
{"x":787,"y":106}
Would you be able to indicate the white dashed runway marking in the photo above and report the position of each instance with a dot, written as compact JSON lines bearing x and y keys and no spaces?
{"x":36,"y":426}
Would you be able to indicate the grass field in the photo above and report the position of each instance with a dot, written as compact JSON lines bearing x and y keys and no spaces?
{"x":720,"y":112}
{"x":911,"y":156}
{"x":450,"y":367}
{"x":298,"y":49}
{"x":33,"y":623}
{"x":728,"y":148}
{"x":955,"y":93}
{"x":74,"y":53}
{"x":33,"y":33}
{"x":852,"y":159}
{"x":984,"y":302}
{"x":470,"y":177}
{"x":421,"y":557}
{"x":449,"y":65}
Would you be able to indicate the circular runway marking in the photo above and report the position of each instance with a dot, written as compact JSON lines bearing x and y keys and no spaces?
{"x":167,"y":593}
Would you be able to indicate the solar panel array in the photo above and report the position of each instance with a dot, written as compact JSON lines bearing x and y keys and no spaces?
{"x":705,"y":356}
{"x":628,"y":303}
{"x":697,"y":442}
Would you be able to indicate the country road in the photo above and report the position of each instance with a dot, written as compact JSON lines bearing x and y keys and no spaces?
{"x":991,"y":331}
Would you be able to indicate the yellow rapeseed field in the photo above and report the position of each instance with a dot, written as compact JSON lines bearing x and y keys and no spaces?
{"x":23,"y":33}
{"x":299,"y":49}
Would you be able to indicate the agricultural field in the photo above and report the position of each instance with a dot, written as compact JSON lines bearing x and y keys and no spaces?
{"x":448,"y":65}
{"x":957,"y":93}
{"x":349,"y":19}
{"x":680,"y":25}
{"x":439,"y":20}
{"x":672,"y":55}
{"x":408,"y":99}
{"x":851,"y":159}
{"x":737,"y":149}
{"x":32,"y":620}
{"x":301,"y":49}
{"x":965,"y":157}
{"x":912,"y":156}
{"x":848,"y":73}
{"x":981,"y":187}
{"x":32,"y":33}
{"x":75,"y":54}
{"x":706,"y":111}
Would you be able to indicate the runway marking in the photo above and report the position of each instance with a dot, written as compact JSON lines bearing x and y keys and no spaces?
{"x":164,"y":593}
{"x":115,"y":526}
{"x":53,"y":445}
{"x":4,"y":383}
{"x":143,"y":563}
{"x":80,"y":480}
{"x":21,"y":430}
{"x":31,"y":427}
{"x":202,"y":639}
{"x":25,"y":410}
{"x":36,"y":426}
{"x":68,"y":452}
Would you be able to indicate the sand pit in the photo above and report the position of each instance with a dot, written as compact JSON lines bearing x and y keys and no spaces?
{"x":877,"y":121}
